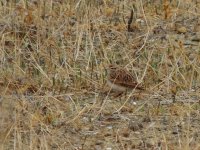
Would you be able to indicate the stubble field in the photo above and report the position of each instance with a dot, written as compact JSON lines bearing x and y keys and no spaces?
{"x":53,"y":60}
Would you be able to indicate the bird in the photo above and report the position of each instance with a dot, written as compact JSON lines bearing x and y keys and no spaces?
{"x":121,"y":80}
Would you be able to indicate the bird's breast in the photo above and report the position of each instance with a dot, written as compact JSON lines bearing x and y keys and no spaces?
{"x":116,"y":87}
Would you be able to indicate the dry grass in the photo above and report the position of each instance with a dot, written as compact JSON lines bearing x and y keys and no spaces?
{"x":53,"y":56}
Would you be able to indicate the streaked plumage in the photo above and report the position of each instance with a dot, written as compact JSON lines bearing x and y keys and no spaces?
{"x":120,"y":79}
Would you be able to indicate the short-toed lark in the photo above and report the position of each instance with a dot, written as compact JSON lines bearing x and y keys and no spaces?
{"x":119,"y":79}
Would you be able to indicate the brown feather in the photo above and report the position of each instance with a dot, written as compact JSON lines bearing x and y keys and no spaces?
{"x":122,"y":77}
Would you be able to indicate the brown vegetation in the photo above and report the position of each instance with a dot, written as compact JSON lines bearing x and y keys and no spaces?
{"x":53,"y":55}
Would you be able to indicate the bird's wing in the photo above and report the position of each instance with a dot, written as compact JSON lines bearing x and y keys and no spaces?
{"x":126,"y":80}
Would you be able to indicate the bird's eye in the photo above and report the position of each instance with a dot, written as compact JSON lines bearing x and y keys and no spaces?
{"x":127,"y":78}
